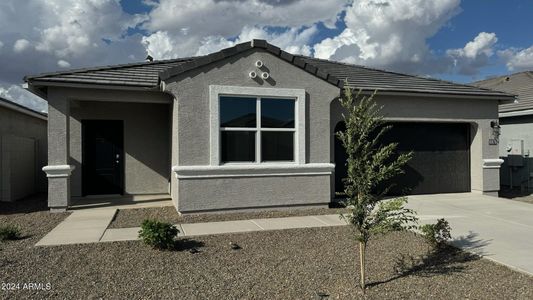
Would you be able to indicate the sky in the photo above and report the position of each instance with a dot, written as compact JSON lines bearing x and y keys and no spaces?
{"x":455,"y":40}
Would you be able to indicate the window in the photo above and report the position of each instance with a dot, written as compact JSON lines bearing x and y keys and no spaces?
{"x":257,"y":129}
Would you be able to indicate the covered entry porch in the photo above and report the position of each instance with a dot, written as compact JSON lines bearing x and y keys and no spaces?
{"x":107,"y":146}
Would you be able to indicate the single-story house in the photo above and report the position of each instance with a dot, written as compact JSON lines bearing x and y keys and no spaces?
{"x":22,"y":151}
{"x":251,"y":127}
{"x":516,"y":121}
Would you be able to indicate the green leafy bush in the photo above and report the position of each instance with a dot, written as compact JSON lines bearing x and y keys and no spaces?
{"x":159,"y":235}
{"x":437,"y":234}
{"x":10,"y":232}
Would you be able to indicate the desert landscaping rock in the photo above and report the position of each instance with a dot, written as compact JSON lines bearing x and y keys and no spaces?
{"x":284,"y":264}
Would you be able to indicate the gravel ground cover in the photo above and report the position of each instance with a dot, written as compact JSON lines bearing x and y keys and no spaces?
{"x":285,"y":264}
{"x":133,"y":217}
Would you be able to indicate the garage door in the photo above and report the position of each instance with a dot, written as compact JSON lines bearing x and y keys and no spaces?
{"x":440,"y":163}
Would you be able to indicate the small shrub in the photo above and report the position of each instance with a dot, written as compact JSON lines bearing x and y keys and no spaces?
{"x":159,"y":235}
{"x":9,"y":232}
{"x":437,"y":234}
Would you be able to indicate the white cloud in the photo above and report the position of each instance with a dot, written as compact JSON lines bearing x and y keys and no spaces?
{"x":48,"y":34}
{"x":161,"y":45}
{"x":518,"y":59}
{"x":19,"y":95}
{"x":63,"y":28}
{"x":389,"y":34}
{"x":189,"y":27}
{"x":474,"y":55}
{"x":79,"y":26}
{"x":63,"y":64}
{"x":227,"y":18}
{"x":21,"y":45}
{"x":481,"y":45}
{"x":292,"y":40}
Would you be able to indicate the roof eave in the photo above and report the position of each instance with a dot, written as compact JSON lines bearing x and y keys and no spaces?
{"x":33,"y":84}
{"x":34,"y":90}
{"x":502,"y":98}
{"x":23,"y":110}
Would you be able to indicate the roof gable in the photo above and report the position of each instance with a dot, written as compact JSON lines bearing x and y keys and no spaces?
{"x":520,"y":84}
{"x":257,"y":44}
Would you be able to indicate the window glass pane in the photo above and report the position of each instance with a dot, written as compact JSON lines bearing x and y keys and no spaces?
{"x":277,"y":113}
{"x":237,"y":146}
{"x":277,"y":146}
{"x":237,"y":112}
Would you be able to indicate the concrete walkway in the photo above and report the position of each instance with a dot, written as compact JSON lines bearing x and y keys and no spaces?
{"x":196,"y":229}
{"x":498,"y":229}
{"x":90,"y":226}
{"x":82,"y":226}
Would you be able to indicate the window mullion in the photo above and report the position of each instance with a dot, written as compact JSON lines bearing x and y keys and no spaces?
{"x":258,"y":132}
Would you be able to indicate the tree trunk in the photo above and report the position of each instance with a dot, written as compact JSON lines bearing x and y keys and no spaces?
{"x":362,"y":247}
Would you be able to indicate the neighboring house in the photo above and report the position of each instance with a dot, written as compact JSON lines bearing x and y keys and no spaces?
{"x":251,"y":126}
{"x":516,"y":121}
{"x":22,"y":151}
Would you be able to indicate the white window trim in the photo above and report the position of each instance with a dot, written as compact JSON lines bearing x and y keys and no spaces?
{"x":215,"y":91}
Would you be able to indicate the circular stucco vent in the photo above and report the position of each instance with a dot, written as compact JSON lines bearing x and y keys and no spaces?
{"x":265,"y":75}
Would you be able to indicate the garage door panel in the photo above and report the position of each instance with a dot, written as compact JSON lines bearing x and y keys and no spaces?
{"x":430,"y":172}
{"x":440,"y":163}
{"x":441,"y":159}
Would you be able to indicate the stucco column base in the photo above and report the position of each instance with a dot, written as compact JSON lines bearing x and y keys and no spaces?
{"x":491,"y":176}
{"x":490,"y":193}
{"x":58,"y":186}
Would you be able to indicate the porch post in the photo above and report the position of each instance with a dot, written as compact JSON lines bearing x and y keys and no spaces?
{"x":58,"y":169}
{"x":485,"y":161}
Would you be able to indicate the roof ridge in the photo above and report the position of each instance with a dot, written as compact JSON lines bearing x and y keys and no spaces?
{"x":111,"y":67}
{"x":393,"y":72}
{"x":529,"y":73}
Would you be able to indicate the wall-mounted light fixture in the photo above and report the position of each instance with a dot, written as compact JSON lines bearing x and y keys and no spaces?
{"x":495,"y":126}
{"x":495,"y":133}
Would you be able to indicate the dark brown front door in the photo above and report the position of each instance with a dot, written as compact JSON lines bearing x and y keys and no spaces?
{"x":103,"y":156}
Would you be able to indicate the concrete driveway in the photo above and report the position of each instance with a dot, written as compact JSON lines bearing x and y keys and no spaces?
{"x":496,"y":228}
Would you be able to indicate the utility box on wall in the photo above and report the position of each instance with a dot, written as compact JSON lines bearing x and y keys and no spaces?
{"x":516,"y":147}
{"x":515,"y":150}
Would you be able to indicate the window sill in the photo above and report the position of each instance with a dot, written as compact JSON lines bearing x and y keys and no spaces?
{"x":253,"y":170}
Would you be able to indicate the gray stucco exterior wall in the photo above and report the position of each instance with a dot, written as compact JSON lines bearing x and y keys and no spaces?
{"x":22,"y":154}
{"x":192,"y":144}
{"x":192,"y":93}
